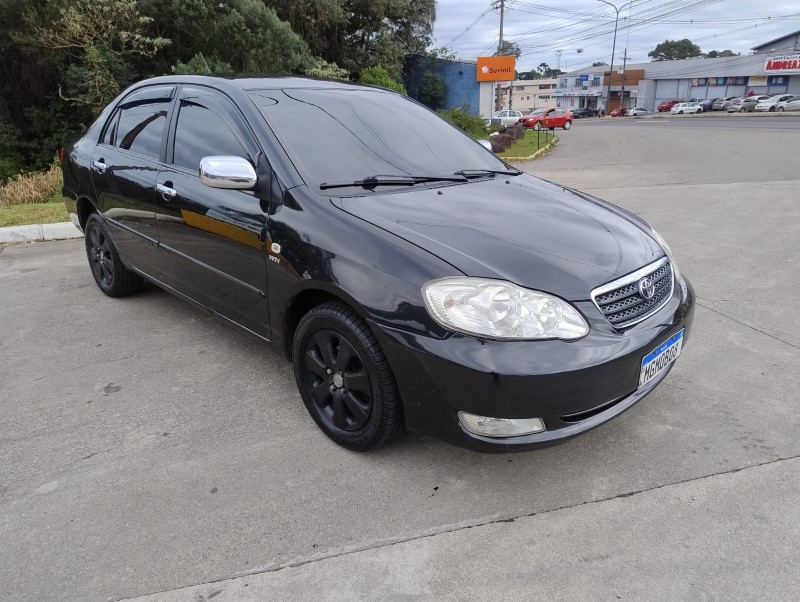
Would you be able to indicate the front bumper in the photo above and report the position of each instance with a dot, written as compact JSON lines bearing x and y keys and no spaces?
{"x":573,"y":386}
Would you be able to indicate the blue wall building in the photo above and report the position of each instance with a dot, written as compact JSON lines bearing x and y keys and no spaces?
{"x":463,"y":90}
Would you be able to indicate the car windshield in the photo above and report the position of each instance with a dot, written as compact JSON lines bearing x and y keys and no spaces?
{"x":342,"y":134}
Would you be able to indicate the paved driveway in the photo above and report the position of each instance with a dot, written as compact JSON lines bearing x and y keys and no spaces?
{"x":144,"y":448}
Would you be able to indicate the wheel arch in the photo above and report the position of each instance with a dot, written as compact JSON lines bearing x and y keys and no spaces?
{"x":85,"y":208}
{"x":303,"y":301}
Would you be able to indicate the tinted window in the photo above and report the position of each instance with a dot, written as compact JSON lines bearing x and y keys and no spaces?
{"x":139,"y":122}
{"x":343,"y":134}
{"x":201,"y":132}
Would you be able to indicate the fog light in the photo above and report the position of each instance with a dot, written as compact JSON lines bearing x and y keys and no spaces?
{"x":500,"y":427}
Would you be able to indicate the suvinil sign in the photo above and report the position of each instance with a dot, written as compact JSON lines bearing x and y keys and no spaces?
{"x":495,"y":68}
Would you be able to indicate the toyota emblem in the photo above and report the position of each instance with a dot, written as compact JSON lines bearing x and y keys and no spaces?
{"x":647,"y":288}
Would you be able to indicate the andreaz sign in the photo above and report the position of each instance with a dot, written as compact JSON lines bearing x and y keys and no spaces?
{"x":786,"y":63}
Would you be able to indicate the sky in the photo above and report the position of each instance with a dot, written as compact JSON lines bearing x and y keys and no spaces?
{"x":583,"y":30}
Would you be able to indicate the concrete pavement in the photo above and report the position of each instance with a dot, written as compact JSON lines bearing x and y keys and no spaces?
{"x":146,"y":449}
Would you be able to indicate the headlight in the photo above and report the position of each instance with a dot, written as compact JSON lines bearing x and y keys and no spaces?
{"x":501,"y":310}
{"x":668,"y":253}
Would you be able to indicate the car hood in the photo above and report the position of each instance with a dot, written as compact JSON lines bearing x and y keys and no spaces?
{"x":521,"y":229}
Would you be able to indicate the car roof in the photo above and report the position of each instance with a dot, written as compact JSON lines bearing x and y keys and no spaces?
{"x":258,"y":82}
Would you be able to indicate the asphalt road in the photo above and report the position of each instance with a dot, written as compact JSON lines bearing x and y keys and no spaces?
{"x":146,"y":450}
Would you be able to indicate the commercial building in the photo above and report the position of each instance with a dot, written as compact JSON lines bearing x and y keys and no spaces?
{"x":528,"y":94}
{"x":774,"y":68}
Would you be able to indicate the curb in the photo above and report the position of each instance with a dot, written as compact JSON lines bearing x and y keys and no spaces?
{"x":535,"y":155}
{"x":37,"y":232}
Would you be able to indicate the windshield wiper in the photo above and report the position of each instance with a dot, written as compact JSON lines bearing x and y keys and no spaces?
{"x":392,"y":180}
{"x":479,"y":173}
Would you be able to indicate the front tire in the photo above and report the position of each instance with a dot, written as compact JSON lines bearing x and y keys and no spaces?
{"x":110,"y":274}
{"x":537,"y":125}
{"x":741,"y":110}
{"x":780,"y":109}
{"x":567,"y":125}
{"x":680,"y":112}
{"x":344,"y":378}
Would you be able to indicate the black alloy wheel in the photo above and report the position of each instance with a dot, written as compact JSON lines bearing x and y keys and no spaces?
{"x":344,"y":378}
{"x":110,"y":274}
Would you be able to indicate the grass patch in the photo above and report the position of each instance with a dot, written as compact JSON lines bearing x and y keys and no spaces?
{"x":38,"y":187}
{"x":532,"y":142}
{"x":51,"y":212}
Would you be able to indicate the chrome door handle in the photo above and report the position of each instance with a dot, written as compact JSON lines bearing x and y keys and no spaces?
{"x":167,"y":193}
{"x":99,"y":166}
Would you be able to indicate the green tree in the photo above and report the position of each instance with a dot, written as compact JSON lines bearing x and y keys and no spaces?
{"x":325,"y":70}
{"x":362,"y":33}
{"x":432,"y":90}
{"x":378,"y":76}
{"x":713,"y":54}
{"x":599,"y":64}
{"x":673,"y":50}
{"x":508,"y":48}
{"x":96,"y":37}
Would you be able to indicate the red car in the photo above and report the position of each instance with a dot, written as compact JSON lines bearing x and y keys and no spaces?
{"x":668,"y":104}
{"x":548,"y":118}
{"x":619,"y":112}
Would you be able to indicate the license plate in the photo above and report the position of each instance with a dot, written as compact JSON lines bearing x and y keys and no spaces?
{"x":655,"y":362}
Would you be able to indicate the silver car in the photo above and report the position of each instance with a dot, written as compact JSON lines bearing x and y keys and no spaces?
{"x":792,"y":104}
{"x":771,"y":104}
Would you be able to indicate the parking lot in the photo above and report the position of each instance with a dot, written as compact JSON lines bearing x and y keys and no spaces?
{"x":147,"y":450}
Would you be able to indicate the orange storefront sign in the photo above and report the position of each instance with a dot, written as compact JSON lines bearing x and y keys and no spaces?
{"x":495,"y":68}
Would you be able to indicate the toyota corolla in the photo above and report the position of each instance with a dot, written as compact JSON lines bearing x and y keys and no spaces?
{"x":414,"y":279}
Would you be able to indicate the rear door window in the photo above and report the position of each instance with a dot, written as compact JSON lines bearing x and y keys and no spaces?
{"x":139,"y":121}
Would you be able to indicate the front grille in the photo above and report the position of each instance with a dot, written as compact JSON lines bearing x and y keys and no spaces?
{"x":621,"y":302}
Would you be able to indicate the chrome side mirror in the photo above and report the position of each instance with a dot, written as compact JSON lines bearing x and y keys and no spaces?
{"x":227,"y":172}
{"x":485,"y":144}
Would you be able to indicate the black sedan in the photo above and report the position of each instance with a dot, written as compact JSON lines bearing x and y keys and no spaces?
{"x":414,"y":279}
{"x":580,"y":113}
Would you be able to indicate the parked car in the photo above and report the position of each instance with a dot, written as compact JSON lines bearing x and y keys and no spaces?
{"x":746,"y":104}
{"x":668,"y":104}
{"x":793,"y":104}
{"x":619,"y":112}
{"x":737,"y":105}
{"x":686,"y":107}
{"x":508,"y":117}
{"x":721,"y":104}
{"x":583,"y":112}
{"x":388,"y":259}
{"x":708,"y":103}
{"x":556,"y":117}
{"x":638,"y":112}
{"x":771,"y":104}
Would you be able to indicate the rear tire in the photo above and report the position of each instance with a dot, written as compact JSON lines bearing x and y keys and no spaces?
{"x":110,"y":274}
{"x":344,"y":378}
{"x":567,"y":125}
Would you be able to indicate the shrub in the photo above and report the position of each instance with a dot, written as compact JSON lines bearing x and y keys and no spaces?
{"x":378,"y":76}
{"x":433,"y":90}
{"x":471,"y":124}
{"x":38,"y":187}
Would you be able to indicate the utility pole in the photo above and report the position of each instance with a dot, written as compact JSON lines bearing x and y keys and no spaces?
{"x":622,"y":91}
{"x":502,"y":4}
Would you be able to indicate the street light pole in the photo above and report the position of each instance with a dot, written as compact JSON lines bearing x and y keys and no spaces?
{"x":613,"y":49}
